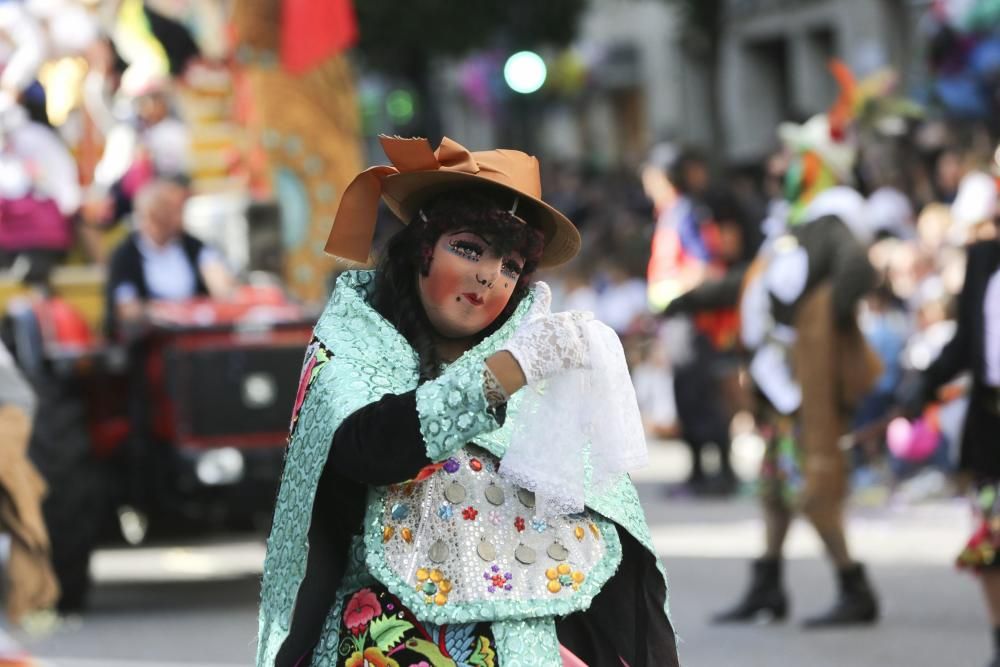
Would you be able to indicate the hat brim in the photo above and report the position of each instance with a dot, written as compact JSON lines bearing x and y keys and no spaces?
{"x":405,"y":193}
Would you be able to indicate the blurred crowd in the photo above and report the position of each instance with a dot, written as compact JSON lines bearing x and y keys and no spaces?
{"x":928,"y":194}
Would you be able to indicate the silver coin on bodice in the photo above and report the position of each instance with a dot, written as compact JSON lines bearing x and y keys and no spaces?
{"x":494,"y":494}
{"x":438,"y":552}
{"x":524,"y":554}
{"x":486,"y":551}
{"x":557,"y":551}
{"x":455,"y":493}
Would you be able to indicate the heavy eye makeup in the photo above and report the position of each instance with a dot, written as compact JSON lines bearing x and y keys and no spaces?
{"x":473,"y":247}
{"x":466,"y":249}
{"x":511,"y":268}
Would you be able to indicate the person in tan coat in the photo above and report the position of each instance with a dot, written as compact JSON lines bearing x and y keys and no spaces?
{"x":810,"y":367}
{"x":31,"y":583}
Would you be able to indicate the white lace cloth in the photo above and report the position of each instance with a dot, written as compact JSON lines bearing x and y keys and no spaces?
{"x":547,"y":343}
{"x":576,"y":420}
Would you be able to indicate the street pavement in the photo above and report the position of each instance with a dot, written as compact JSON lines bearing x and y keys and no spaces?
{"x":195,"y":604}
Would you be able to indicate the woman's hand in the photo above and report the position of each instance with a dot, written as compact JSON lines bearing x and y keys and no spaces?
{"x":549,"y":344}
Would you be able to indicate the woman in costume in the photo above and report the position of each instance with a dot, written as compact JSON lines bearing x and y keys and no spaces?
{"x":449,"y":497}
{"x":975,"y":349}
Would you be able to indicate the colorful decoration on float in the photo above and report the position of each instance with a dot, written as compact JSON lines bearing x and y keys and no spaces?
{"x":306,"y":115}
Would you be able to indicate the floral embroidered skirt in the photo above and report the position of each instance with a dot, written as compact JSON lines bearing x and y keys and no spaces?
{"x":378,"y":631}
{"x":980,"y":551}
{"x":780,"y":479}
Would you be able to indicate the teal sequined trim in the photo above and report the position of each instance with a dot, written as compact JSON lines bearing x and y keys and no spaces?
{"x":453,"y":409}
{"x":325,"y":651}
{"x":531,"y":642}
{"x":353,"y":377}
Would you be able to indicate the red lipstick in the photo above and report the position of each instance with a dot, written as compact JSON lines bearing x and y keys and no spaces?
{"x":473,"y":298}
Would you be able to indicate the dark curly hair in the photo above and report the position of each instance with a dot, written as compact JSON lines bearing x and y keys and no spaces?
{"x":411,"y":251}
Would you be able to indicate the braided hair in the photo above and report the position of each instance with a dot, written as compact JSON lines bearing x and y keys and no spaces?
{"x":411,"y":251}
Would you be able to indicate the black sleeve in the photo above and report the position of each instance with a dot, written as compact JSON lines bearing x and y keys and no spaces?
{"x":118,"y":274}
{"x":721,"y":293}
{"x":956,"y":356}
{"x":122,"y":202}
{"x":381,"y":442}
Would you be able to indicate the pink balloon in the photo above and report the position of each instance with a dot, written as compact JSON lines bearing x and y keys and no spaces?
{"x":911,"y":441}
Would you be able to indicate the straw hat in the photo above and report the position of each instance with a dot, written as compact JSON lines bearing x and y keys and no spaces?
{"x":418,"y":173}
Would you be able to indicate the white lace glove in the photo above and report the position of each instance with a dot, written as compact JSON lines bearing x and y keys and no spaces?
{"x":549,"y":343}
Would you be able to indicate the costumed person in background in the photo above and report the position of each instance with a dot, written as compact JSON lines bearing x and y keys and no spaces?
{"x":434,"y":507}
{"x":975,"y":348}
{"x":31,"y":584}
{"x":683,"y":256}
{"x":811,"y":364}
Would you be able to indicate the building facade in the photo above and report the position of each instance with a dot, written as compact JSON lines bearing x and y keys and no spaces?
{"x":774,"y":54}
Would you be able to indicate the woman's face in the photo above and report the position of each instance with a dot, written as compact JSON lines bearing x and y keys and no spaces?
{"x":468,"y":284}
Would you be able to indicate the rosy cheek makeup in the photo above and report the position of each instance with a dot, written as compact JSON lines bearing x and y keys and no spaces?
{"x":442,"y":287}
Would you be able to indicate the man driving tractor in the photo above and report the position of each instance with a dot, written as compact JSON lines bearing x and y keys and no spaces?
{"x":160,"y":261}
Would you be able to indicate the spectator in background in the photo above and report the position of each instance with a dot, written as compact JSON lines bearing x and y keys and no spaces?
{"x":574,"y":289}
{"x":39,"y":191}
{"x":974,"y":208}
{"x":146,"y":142}
{"x":886,"y":326}
{"x":948,"y":171}
{"x":700,"y":235}
{"x":890,"y":213}
{"x":713,"y":370}
{"x":654,"y":387}
{"x":160,"y":260}
{"x":622,"y":300}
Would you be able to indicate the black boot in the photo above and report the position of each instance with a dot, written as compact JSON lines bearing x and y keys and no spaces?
{"x":856,"y":602}
{"x":765,"y":595}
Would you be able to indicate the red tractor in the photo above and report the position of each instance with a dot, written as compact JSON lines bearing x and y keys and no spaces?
{"x":186,"y":426}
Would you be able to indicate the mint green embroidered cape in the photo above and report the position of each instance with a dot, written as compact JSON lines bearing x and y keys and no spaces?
{"x":367,"y":359}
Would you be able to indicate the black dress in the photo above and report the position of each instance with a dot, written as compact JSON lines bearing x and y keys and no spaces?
{"x":980,"y":449}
